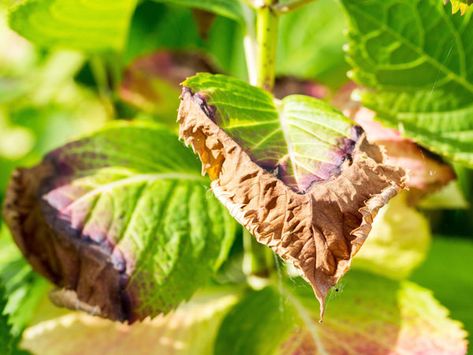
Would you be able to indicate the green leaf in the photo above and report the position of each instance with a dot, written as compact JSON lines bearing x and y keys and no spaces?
{"x":446,"y":271}
{"x":398,"y":241}
{"x":24,"y":289}
{"x":229,"y":8}
{"x":302,"y":137}
{"x":129,"y":205}
{"x":89,"y":25}
{"x":310,"y":43}
{"x":191,"y":329}
{"x":7,"y":341}
{"x":374,"y":315}
{"x":242,"y":332}
{"x":413,"y":58}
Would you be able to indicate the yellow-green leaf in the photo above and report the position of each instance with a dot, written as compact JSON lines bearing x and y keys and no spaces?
{"x":398,"y":242}
{"x":88,"y":25}
{"x":189,"y":330}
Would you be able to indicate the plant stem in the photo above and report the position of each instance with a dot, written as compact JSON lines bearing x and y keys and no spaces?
{"x":290,"y":6}
{"x":258,"y":261}
{"x":267,"y":39}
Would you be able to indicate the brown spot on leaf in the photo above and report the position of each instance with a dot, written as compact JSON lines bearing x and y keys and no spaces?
{"x":319,"y":230}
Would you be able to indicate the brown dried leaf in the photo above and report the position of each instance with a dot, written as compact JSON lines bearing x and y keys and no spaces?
{"x":319,"y":230}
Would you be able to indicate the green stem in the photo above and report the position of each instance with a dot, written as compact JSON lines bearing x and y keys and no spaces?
{"x":267,"y":39}
{"x":258,"y":261}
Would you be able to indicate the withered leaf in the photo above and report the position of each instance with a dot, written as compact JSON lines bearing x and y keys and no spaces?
{"x":318,"y":222}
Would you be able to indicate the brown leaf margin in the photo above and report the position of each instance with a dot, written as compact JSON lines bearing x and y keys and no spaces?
{"x":91,"y":277}
{"x":318,"y":231}
{"x":426,"y":172}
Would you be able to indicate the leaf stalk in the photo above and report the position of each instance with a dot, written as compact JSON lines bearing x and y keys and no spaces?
{"x":258,"y":261}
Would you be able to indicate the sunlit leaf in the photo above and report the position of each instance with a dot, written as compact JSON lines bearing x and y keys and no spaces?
{"x":305,"y":139}
{"x":398,"y":242}
{"x":190,"y":330}
{"x":122,"y":219}
{"x":294,"y":172}
{"x":90,"y":25}
{"x":372,"y":315}
{"x":413,"y":58}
